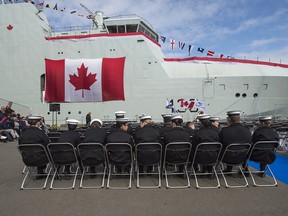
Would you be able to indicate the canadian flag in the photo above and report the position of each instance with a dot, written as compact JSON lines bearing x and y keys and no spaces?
{"x":84,"y":80}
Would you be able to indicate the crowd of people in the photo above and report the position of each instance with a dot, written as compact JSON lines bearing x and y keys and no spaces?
{"x":12,"y":124}
{"x":172,"y":130}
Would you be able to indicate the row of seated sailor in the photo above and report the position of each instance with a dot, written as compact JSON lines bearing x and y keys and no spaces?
{"x":208,"y":132}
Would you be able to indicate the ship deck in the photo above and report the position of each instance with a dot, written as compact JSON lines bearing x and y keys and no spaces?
{"x":223,"y":201}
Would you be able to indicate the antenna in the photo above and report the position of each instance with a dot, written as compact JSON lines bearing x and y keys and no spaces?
{"x":92,"y":15}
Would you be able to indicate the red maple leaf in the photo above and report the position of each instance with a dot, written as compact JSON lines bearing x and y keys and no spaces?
{"x":9,"y":27}
{"x":82,"y":81}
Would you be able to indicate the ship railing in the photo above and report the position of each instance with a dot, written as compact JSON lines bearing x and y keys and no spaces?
{"x":18,"y":108}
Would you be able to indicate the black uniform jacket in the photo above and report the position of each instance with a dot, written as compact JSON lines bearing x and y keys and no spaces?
{"x":264,"y":133}
{"x":96,"y":135}
{"x":69,"y":136}
{"x":119,"y":136}
{"x":177,"y":134}
{"x":147,"y":134}
{"x":34,"y":135}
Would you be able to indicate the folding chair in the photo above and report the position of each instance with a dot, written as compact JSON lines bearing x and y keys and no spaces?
{"x":34,"y":155}
{"x":92,"y":155}
{"x":54,"y":136}
{"x":148,"y":154}
{"x":63,"y":154}
{"x":207,"y":154}
{"x":177,"y":154}
{"x":119,"y":155}
{"x":235,"y":154}
{"x":263,"y":152}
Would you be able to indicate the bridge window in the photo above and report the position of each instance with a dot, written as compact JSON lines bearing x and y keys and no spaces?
{"x":131,"y":28}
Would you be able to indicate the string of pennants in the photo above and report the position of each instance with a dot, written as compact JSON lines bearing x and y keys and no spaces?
{"x":181,"y":45}
{"x":42,"y":5}
{"x":173,"y":42}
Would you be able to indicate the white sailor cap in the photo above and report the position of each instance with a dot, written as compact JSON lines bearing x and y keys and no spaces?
{"x":265,"y":118}
{"x":72,"y":122}
{"x":96,"y":120}
{"x":176,"y":116}
{"x":34,"y":117}
{"x":203,"y":116}
{"x":120,"y":114}
{"x":235,"y":112}
{"x":214,"y":118}
{"x":143,"y":117}
{"x":122,"y":119}
{"x":166,"y":115}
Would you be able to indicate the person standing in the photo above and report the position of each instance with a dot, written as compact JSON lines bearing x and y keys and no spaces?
{"x":264,"y":133}
{"x":88,"y":119}
{"x":234,"y":133}
{"x":34,"y":135}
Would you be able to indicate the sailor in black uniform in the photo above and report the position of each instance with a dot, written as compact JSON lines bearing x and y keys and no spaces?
{"x":95,"y":133}
{"x":146,"y":133}
{"x":34,"y":135}
{"x":264,"y":133}
{"x":166,"y":125}
{"x":215,"y":123}
{"x":234,"y":133}
{"x":70,"y":136}
{"x":177,"y":134}
{"x":120,"y":135}
{"x":206,"y":133}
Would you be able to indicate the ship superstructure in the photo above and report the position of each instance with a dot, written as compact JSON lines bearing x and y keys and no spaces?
{"x":153,"y":84}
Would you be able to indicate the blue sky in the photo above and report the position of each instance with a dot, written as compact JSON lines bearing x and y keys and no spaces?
{"x":248,"y":29}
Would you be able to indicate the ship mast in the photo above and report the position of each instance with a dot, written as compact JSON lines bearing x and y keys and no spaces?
{"x":97,"y":18}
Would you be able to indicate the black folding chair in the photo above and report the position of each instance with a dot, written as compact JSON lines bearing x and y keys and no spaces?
{"x":148,"y":155}
{"x":63,"y":154}
{"x":263,"y":152}
{"x":33,"y":156}
{"x":119,"y":155}
{"x":177,"y":154}
{"x":54,"y":136}
{"x":92,"y":155}
{"x":207,"y":155}
{"x":234,"y":155}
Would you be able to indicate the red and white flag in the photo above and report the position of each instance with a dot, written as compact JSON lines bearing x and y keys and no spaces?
{"x":84,"y":80}
{"x":210,"y":53}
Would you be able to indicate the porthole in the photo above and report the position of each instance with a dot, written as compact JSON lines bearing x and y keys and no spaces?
{"x":58,"y":113}
{"x":79,"y":112}
{"x":69,"y":112}
{"x":237,"y":95}
{"x":244,"y":95}
{"x":48,"y":113}
{"x":255,"y":95}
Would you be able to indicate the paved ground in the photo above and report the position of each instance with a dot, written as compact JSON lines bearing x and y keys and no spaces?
{"x":241,"y":201}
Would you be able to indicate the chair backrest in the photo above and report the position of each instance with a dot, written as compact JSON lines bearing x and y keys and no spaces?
{"x":119,"y":153}
{"x":33,"y":154}
{"x":235,"y":153}
{"x":207,"y":153}
{"x":62,"y":153}
{"x":54,"y":136}
{"x":148,"y":153}
{"x":264,"y":152}
{"x":91,"y":154}
{"x":177,"y":152}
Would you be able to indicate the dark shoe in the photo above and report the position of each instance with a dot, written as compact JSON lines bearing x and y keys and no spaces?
{"x":40,"y":175}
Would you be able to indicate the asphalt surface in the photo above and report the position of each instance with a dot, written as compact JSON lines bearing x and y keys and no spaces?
{"x":191,"y":201}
